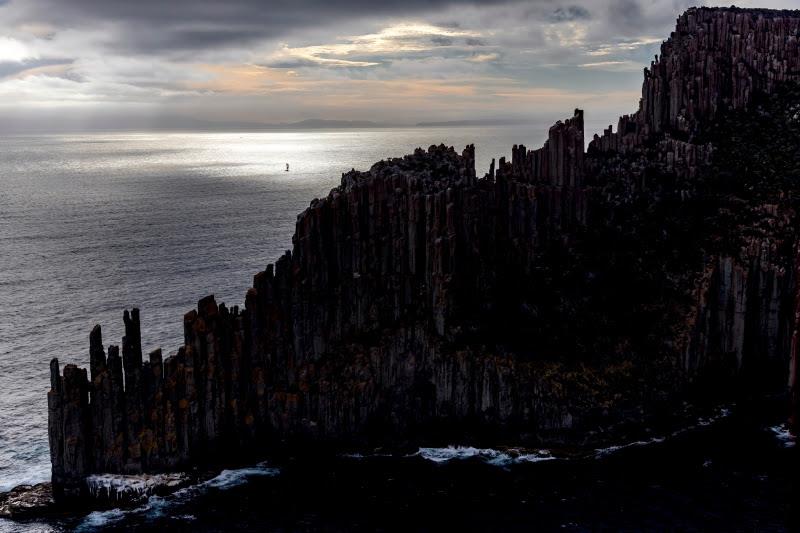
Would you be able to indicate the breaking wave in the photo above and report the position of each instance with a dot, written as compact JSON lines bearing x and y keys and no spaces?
{"x":601,"y":452}
{"x":489,"y":455}
{"x":121,"y":487}
{"x":783,"y":436}
{"x":702,"y":422}
{"x":155,"y":506}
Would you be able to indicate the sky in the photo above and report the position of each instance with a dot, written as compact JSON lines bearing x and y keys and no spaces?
{"x":84,"y":64}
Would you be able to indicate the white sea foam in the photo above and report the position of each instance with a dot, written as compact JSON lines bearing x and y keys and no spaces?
{"x":32,"y":475}
{"x":371,"y":455}
{"x":489,"y":455}
{"x":353,"y":456}
{"x":99,"y":519}
{"x":601,"y":452}
{"x":537,"y":457}
{"x":784,"y":436}
{"x":232,"y":478}
{"x":720,"y":413}
{"x":13,"y":526}
{"x":516,"y":456}
{"x":120,"y":487}
{"x":156,"y":506}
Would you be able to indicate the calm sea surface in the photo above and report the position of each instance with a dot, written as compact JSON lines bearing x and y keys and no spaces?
{"x":93,"y":224}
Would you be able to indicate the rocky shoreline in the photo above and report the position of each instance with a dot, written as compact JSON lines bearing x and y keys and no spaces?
{"x":126,"y":492}
{"x":106,"y":491}
{"x":566,"y":293}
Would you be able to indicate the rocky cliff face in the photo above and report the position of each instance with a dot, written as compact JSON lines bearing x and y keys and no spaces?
{"x":561,"y":294}
{"x":716,"y":59}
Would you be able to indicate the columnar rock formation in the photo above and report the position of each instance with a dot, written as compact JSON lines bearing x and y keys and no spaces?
{"x":419,"y":300}
{"x":715,"y":59}
{"x":347,"y":331}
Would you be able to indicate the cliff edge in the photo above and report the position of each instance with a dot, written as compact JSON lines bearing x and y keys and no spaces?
{"x":563,"y":293}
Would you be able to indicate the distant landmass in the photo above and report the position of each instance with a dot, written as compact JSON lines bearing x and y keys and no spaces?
{"x":175,"y":122}
{"x":477,"y":122}
{"x":314,"y":123}
{"x":319,"y":123}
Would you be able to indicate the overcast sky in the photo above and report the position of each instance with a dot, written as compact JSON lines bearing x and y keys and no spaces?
{"x":73,"y":63}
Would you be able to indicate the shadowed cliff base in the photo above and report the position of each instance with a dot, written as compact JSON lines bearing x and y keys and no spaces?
{"x":564,"y":297}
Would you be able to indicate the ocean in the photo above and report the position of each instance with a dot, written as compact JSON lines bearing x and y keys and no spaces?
{"x":93,"y":224}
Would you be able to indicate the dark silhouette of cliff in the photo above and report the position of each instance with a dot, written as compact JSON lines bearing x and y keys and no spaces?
{"x":563,"y":294}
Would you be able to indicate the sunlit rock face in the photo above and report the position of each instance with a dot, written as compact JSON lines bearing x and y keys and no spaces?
{"x":564,"y":295}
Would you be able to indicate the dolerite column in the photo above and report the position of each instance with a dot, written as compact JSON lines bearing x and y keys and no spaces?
{"x":115,"y":461}
{"x":132,"y":363}
{"x":172,"y":439}
{"x":209,"y":386}
{"x":153,"y":403}
{"x":794,"y":420}
{"x":254,"y":410}
{"x":102,"y":436}
{"x":55,"y":428}
{"x":794,"y":371}
{"x":68,"y":430}
{"x":230,"y":350}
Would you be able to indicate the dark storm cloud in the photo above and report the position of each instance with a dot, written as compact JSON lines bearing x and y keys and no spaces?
{"x":628,"y":12}
{"x":289,"y":63}
{"x":564,"y":14}
{"x":474,"y":41}
{"x":177,"y":25}
{"x":441,"y":41}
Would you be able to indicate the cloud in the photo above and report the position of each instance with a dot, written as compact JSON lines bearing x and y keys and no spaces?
{"x":281,"y":60}
{"x":150,"y":25}
{"x":483,"y":58}
{"x":12,"y":50}
{"x":246,"y":79}
{"x":612,"y":65}
{"x":373,"y":49}
{"x":42,"y":31}
{"x":568,"y":13}
{"x":20,"y":69}
{"x":627,"y":12}
{"x":606,"y":49}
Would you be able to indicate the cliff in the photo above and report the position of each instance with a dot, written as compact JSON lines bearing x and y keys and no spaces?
{"x":564,"y":293}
